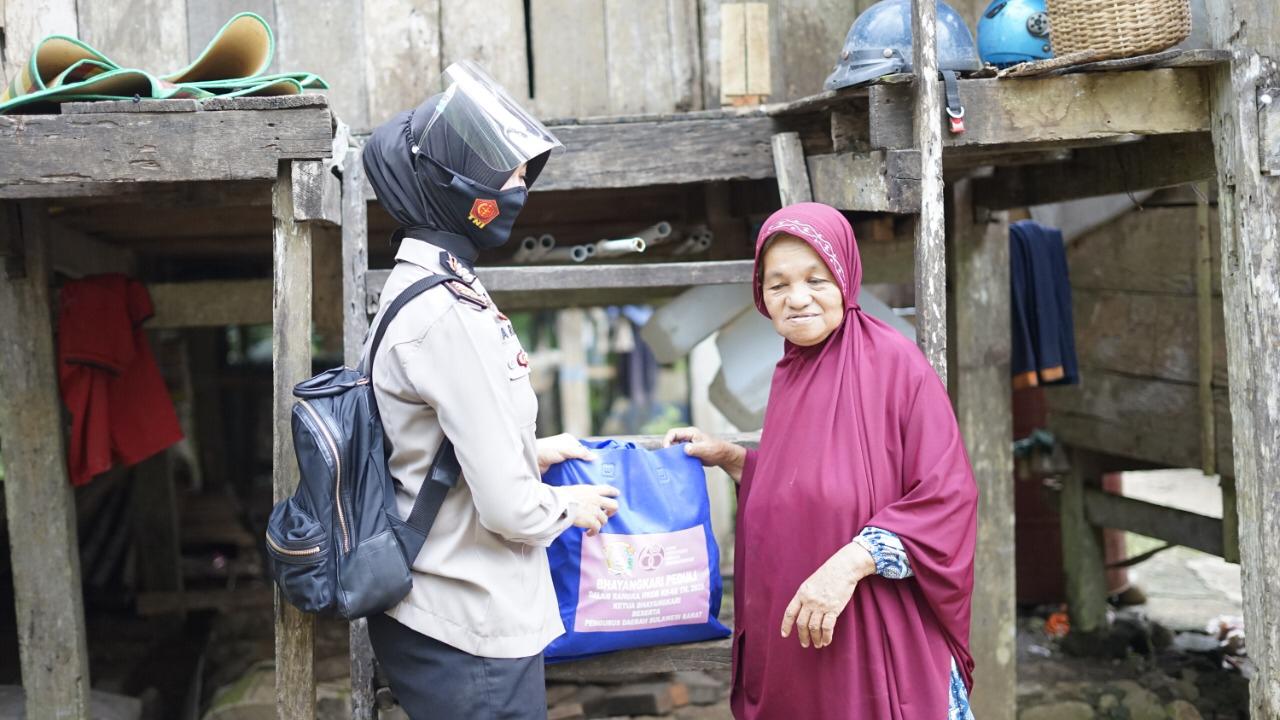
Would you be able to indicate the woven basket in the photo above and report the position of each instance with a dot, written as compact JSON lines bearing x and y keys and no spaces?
{"x":1117,"y":28}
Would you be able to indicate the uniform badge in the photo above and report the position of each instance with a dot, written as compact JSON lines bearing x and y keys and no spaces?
{"x":522,"y":359}
{"x":466,"y":294}
{"x":483,"y":212}
{"x":460,"y":269}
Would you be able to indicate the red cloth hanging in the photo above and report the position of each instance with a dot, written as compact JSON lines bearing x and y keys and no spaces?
{"x":121,"y":412}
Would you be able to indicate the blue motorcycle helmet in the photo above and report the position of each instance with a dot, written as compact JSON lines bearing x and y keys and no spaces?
{"x":879,"y":44}
{"x":1014,"y":31}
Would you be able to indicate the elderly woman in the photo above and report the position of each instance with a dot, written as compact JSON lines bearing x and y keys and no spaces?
{"x":857,"y":515}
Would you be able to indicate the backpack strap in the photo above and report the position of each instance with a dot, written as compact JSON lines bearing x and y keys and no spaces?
{"x":445,"y":470}
{"x":401,"y":300}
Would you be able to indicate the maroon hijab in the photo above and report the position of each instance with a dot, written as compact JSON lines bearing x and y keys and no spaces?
{"x":859,"y":431}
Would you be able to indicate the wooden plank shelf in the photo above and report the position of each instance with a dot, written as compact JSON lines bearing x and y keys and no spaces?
{"x":102,"y":148}
{"x":586,"y":285}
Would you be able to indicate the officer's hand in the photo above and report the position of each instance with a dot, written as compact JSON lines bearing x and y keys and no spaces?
{"x":710,"y":450}
{"x":591,"y":505}
{"x":558,"y":448}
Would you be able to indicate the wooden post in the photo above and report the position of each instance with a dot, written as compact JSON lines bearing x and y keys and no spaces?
{"x":1082,"y":556}
{"x":931,"y":270}
{"x":38,"y":500}
{"x":154,"y":507}
{"x":1204,"y":313}
{"x":793,"y":176}
{"x":1246,"y":133}
{"x":290,"y":364}
{"x":355,"y":324}
{"x":982,"y":391}
{"x":575,"y":393}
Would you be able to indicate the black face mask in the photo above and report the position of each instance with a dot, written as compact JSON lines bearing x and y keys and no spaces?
{"x":484,"y":214}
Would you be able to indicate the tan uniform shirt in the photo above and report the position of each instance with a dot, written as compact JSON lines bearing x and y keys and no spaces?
{"x":449,"y":367}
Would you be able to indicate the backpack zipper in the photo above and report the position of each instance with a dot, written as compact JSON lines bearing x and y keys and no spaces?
{"x":286,"y":551}
{"x":337,"y":463}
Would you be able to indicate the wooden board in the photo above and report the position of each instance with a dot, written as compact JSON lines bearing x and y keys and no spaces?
{"x":1151,"y":420}
{"x":326,"y":37}
{"x":38,"y":500}
{"x":401,"y":55}
{"x":1155,"y":162}
{"x":979,"y":336}
{"x":25,"y":23}
{"x":73,"y":150}
{"x":617,"y":155}
{"x":1145,"y":334}
{"x":146,"y":34}
{"x":1058,"y":109}
{"x":493,"y":37}
{"x":711,"y":655}
{"x":1152,"y":251}
{"x":291,"y":364}
{"x":879,"y":181}
{"x":317,"y":193}
{"x":639,"y":55}
{"x":789,"y":164}
{"x":206,"y":17}
{"x":686,"y":55}
{"x":1199,"y":532}
{"x":1249,"y":208}
{"x":570,"y":79}
{"x":807,"y":42}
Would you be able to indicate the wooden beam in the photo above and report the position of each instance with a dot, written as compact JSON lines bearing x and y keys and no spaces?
{"x":93,"y":153}
{"x":291,"y":364}
{"x":617,"y":278}
{"x":788,"y":162}
{"x":1146,"y":419}
{"x":713,"y":655}
{"x":878,"y":181}
{"x":694,"y":149}
{"x":979,"y":267}
{"x":1082,"y":557}
{"x":1199,"y":532}
{"x":1206,"y":309}
{"x":575,"y":392}
{"x":926,"y":137}
{"x":317,"y":193}
{"x":1155,"y":162}
{"x":1249,"y":213}
{"x":210,"y":303}
{"x":355,"y":324}
{"x":1058,"y":109}
{"x":38,"y":499}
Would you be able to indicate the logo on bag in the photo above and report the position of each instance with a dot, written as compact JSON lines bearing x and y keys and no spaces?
{"x":620,"y":558}
{"x":651,"y":557}
{"x":483,"y":212}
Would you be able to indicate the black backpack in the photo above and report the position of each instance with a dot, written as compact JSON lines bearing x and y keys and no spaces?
{"x":338,"y":546}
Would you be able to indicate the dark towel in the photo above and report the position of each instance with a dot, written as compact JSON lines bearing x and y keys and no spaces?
{"x":1044,"y":344}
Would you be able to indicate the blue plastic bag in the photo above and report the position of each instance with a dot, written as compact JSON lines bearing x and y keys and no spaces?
{"x":652,"y":576}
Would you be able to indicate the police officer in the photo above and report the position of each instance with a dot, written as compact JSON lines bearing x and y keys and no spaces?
{"x":467,"y":641}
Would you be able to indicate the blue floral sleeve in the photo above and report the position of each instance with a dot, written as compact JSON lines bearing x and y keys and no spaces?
{"x":891,"y":562}
{"x":887,"y":550}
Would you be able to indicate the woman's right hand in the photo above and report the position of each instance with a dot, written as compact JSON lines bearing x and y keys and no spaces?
{"x":591,"y":506}
{"x":710,"y":450}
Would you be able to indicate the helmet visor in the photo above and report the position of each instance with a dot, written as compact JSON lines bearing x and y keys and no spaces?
{"x":489,"y":120}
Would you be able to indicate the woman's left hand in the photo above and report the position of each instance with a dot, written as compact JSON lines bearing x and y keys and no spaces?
{"x":821,"y":598}
{"x":558,"y":448}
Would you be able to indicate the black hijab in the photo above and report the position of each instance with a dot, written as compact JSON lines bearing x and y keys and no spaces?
{"x":433,"y":200}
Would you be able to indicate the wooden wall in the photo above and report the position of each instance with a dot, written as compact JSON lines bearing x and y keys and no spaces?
{"x":1134,"y":291}
{"x":565,"y":58}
